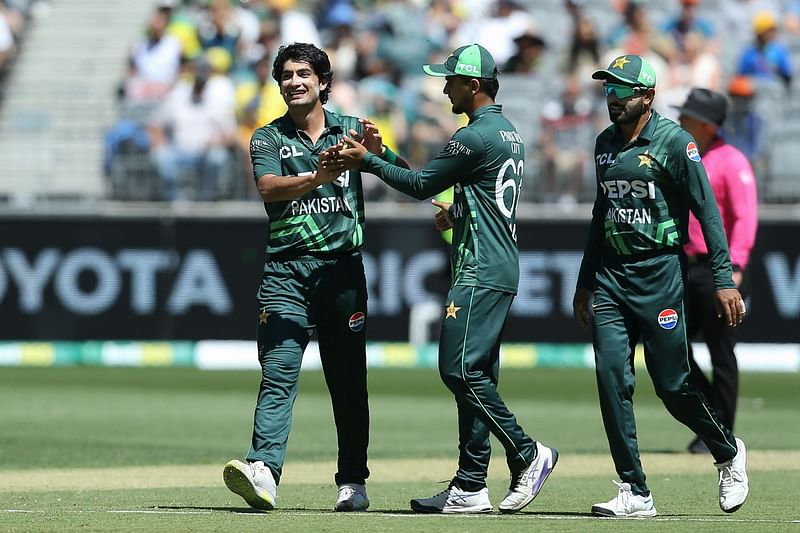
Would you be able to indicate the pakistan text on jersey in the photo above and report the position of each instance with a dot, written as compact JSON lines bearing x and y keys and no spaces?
{"x":326,"y":204}
{"x":630,"y":215}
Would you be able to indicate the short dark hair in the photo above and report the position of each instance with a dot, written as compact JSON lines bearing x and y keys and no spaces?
{"x":307,"y":53}
{"x":490,"y":86}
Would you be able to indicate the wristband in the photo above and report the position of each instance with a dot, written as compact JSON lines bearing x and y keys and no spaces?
{"x":388,"y":155}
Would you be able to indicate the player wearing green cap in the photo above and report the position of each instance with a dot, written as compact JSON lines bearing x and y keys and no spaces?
{"x":484,"y":163}
{"x":632,"y":279}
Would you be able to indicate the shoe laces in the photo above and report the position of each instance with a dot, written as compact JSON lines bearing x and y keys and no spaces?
{"x":728,"y":476}
{"x":451,"y":484}
{"x":257,"y":468}
{"x":623,"y":496}
{"x":522,"y":477}
{"x":347,"y":492}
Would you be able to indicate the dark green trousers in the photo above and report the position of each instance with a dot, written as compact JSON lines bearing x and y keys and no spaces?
{"x":295,"y":298}
{"x":469,"y":364}
{"x":644,"y":301}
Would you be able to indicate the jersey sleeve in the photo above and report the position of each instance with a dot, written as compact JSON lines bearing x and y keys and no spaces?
{"x":691,"y":175}
{"x":459,"y":158}
{"x":265,"y":153}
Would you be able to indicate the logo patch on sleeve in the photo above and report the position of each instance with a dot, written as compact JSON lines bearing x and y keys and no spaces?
{"x":692,"y":152}
{"x":357,"y":321}
{"x":668,"y":319}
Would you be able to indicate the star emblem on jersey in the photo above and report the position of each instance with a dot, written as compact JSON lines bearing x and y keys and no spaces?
{"x":451,"y":310}
{"x":620,"y":62}
{"x":262,"y":317}
{"x":645,"y":159}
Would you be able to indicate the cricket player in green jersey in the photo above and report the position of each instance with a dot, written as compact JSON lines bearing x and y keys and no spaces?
{"x":631,"y":284}
{"x":484,"y":163}
{"x":313,"y":279}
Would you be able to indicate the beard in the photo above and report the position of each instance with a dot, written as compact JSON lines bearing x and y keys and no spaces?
{"x":632,"y":112}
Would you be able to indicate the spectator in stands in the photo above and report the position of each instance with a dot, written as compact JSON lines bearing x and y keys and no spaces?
{"x":567,"y":130}
{"x":220,"y":28}
{"x":688,"y":22}
{"x":692,"y":66}
{"x":766,"y":57}
{"x":295,"y":24}
{"x":744,"y":127}
{"x":402,"y":39}
{"x":497,"y":33}
{"x":155,"y":60}
{"x":191,"y":136}
{"x":340,"y":41}
{"x":443,"y":20}
{"x":584,"y":47}
{"x":529,"y":54}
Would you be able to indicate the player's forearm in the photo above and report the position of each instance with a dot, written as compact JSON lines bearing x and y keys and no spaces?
{"x":718,"y":253}
{"x":281,"y":188}
{"x":410,"y":182}
{"x":591,"y":253}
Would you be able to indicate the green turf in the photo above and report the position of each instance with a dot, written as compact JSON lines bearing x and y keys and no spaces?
{"x":87,"y":417}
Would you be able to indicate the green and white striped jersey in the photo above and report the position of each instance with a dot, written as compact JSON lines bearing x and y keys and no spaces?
{"x":645,"y":190}
{"x":484,"y":163}
{"x":327,"y":219}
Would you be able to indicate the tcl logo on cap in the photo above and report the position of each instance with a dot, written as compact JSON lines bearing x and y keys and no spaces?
{"x":668,"y":319}
{"x":692,"y":152}
{"x":357,"y":321}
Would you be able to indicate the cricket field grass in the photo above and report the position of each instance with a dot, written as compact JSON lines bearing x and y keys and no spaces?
{"x":120,"y":449}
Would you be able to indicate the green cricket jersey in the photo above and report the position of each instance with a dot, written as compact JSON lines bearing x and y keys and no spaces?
{"x":644,"y":193}
{"x":484,"y":163}
{"x":329,"y":218}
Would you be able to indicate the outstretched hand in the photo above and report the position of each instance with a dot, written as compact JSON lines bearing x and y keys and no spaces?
{"x":442,"y":220}
{"x":330,"y":165}
{"x":371,"y":139}
{"x":353,"y":153}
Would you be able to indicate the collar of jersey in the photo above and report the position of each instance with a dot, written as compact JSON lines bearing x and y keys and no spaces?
{"x":650,"y":128}
{"x":491,"y":108}
{"x":332,"y":123}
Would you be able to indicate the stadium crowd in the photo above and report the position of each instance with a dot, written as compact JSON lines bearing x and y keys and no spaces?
{"x":199,"y":81}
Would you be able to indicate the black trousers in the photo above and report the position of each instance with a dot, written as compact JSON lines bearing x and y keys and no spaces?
{"x":722,"y":389}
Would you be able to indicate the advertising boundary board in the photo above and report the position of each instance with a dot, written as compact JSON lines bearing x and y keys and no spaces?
{"x":191,"y":279}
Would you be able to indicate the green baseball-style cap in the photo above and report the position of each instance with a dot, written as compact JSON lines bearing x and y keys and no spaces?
{"x":472,"y":61}
{"x":630,"y":70}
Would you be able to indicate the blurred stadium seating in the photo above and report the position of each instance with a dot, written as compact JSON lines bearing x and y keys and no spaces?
{"x":59,"y":95}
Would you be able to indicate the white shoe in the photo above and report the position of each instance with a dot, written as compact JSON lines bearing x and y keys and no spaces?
{"x":352,"y":497}
{"x":626,"y":504}
{"x":454,"y":500}
{"x":253,"y":482}
{"x":529,"y":482}
{"x":733,"y":483}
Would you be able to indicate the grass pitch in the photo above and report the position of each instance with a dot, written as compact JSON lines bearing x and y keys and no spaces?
{"x":140,"y":449}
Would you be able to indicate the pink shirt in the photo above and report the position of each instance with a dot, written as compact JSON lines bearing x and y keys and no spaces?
{"x":734,"y":185}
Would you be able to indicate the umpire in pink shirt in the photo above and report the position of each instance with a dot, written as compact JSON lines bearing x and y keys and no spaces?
{"x":734,"y":186}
